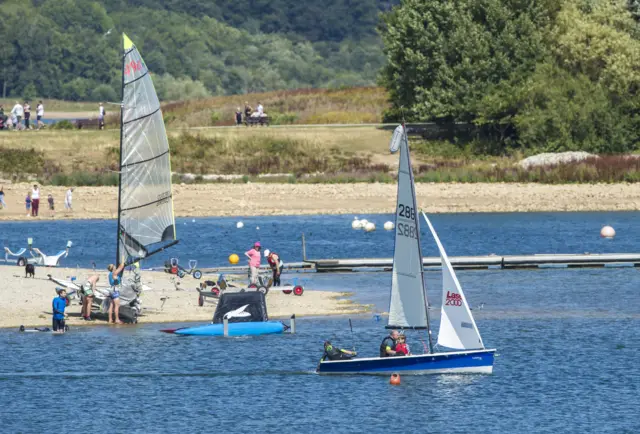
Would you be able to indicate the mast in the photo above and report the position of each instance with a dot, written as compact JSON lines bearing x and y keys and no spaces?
{"x":120,"y":162}
{"x":413,"y":190}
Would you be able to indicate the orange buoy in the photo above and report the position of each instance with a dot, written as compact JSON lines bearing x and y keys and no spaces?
{"x":395,"y":379}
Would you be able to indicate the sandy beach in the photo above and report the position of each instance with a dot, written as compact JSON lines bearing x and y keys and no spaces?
{"x":295,"y":199}
{"x":27,"y":301}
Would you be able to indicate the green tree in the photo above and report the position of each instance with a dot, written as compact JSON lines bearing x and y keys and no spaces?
{"x":442,"y":56}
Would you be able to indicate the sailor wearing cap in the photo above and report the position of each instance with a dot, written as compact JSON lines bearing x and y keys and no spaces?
{"x":253,"y":255}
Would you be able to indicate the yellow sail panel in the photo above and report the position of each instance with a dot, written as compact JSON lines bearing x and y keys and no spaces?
{"x":128,"y":44}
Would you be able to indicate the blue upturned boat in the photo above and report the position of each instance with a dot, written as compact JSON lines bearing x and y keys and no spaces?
{"x":235,"y":329}
{"x":462,"y":348}
{"x":246,"y":313}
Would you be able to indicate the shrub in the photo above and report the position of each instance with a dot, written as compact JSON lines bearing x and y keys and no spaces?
{"x":62,"y":125}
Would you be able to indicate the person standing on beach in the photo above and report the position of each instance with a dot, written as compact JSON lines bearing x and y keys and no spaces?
{"x":35,"y":200}
{"x":27,"y":114}
{"x":3,"y":204}
{"x":52,"y":211}
{"x":40,"y":114}
{"x":68,"y":198}
{"x":17,"y":112}
{"x":27,"y":203}
{"x":115,"y":281}
{"x":101,"y":114}
{"x":88,"y":289}
{"x":276,"y":265}
{"x":238,"y":117}
{"x":253,"y":255}
{"x":59,"y":304}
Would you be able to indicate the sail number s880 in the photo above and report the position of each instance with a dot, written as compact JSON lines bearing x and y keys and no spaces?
{"x":406,"y":211}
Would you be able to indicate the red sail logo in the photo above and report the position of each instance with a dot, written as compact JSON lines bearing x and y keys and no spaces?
{"x":453,"y":299}
{"x":133,"y":67}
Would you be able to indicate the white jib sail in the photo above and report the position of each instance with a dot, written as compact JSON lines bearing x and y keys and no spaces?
{"x":458,"y":329}
{"x":146,"y":204}
{"x":408,"y":307}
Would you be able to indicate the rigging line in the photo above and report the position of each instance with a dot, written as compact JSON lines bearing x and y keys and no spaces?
{"x":147,"y":160}
{"x":142,"y":117}
{"x":147,"y":204}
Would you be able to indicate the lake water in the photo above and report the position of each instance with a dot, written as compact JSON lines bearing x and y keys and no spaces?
{"x":211,"y":240}
{"x":567,"y":343}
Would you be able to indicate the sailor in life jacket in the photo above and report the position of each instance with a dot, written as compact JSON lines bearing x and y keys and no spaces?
{"x":276,"y":265}
{"x":388,"y":345}
{"x":335,"y":353}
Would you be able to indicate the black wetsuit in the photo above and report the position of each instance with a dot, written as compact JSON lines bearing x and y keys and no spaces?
{"x":333,"y":353}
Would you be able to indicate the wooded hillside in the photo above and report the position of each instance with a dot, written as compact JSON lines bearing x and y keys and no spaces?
{"x":70,"y":49}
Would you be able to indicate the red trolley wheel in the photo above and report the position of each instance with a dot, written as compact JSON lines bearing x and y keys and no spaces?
{"x":298,"y":290}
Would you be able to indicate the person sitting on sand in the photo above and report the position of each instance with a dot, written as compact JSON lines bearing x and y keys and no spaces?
{"x":115,"y":281}
{"x":88,"y":289}
{"x":402,"y":349}
{"x":59,"y":304}
{"x":335,"y":353}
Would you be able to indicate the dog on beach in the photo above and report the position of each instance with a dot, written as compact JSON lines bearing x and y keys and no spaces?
{"x":30,"y":270}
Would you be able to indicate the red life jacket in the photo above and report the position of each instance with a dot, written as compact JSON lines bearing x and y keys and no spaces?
{"x":273,"y":259}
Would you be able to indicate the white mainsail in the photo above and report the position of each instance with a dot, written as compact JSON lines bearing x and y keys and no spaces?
{"x":458,"y":329}
{"x":145,"y":209}
{"x":408,"y":307}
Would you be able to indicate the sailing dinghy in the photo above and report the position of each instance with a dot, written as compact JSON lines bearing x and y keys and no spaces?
{"x":146,"y":223}
{"x":460,"y":347}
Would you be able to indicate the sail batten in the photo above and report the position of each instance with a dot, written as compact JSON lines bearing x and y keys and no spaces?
{"x":145,"y":209}
{"x":408,"y":305}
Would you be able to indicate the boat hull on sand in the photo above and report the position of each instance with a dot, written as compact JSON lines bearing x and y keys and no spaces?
{"x":461,"y":362}
{"x":235,"y":329}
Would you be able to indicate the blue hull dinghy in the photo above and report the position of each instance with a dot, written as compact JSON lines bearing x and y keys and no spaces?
{"x":246,"y":313}
{"x":462,"y":350}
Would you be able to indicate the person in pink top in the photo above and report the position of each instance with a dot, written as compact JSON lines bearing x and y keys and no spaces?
{"x":254,"y":262}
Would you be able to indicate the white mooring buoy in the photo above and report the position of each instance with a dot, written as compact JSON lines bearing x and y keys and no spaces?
{"x":239,"y":225}
{"x":388,"y":226}
{"x":607,"y":232}
{"x":355,"y":224}
{"x":370,"y":226}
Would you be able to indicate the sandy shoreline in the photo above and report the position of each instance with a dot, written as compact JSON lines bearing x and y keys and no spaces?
{"x":296,"y":199}
{"x":27,"y":301}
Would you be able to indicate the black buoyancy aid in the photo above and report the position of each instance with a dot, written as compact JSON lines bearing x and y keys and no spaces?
{"x":385,"y":344}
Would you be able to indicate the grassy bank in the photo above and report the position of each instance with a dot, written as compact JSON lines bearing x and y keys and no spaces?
{"x":302,"y":106}
{"x":290,"y":155}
